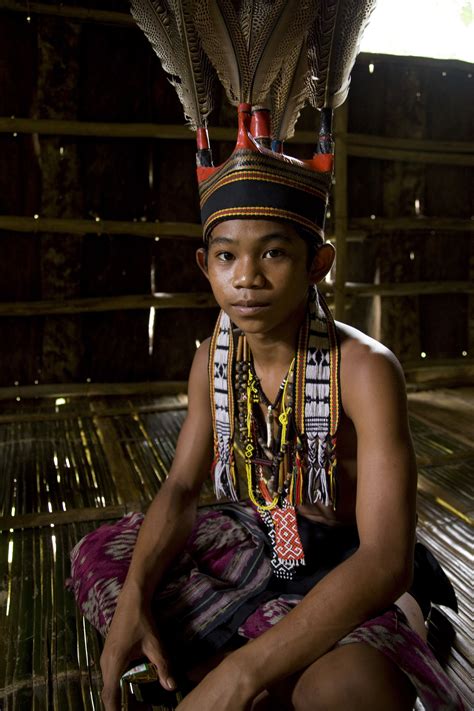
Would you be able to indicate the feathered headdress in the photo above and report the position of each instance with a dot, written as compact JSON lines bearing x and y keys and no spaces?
{"x":271,"y":57}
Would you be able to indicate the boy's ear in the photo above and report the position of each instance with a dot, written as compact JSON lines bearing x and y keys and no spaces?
{"x":202,"y":261}
{"x":322,"y":263}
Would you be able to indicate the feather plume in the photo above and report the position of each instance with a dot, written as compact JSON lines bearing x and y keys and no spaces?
{"x":248,"y":44}
{"x":169,"y":26}
{"x":289,"y":93}
{"x":333,"y":45}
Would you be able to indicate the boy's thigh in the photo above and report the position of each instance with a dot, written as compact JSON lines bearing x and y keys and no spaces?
{"x":353,"y":677}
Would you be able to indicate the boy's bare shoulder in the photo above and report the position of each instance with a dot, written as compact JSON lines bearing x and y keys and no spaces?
{"x":369,"y":371}
{"x":198,"y":384}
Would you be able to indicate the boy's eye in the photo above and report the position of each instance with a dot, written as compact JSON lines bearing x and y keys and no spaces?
{"x":225,"y":256}
{"x":272,"y":253}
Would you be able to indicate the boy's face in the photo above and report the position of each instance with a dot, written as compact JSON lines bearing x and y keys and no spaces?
{"x":259,"y":273}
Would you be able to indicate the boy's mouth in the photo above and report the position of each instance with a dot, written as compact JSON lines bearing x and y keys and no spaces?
{"x":244,"y":307}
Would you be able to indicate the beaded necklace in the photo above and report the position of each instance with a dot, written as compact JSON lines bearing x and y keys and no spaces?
{"x":269,"y":452}
{"x":299,"y":463}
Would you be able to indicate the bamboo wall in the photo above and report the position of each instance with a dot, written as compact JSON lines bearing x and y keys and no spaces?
{"x":95,"y":165}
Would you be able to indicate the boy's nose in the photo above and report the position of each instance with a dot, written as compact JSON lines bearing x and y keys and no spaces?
{"x":247,"y":275}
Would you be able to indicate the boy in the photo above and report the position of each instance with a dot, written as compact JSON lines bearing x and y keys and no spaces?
{"x":260,"y":276}
{"x":303,"y":418}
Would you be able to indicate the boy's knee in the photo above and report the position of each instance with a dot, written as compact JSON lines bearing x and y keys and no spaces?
{"x":319,"y":694}
{"x":351,"y":677}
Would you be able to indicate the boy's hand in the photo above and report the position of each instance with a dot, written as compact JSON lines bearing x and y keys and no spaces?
{"x":132,"y":635}
{"x":225,"y":688}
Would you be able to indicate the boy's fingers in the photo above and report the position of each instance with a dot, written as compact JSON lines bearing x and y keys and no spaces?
{"x":154,"y":653}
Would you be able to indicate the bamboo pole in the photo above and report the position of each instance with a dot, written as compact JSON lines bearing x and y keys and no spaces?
{"x":70,"y":13}
{"x":340,"y":209}
{"x":48,"y":307}
{"x":166,"y":230}
{"x":55,"y":390}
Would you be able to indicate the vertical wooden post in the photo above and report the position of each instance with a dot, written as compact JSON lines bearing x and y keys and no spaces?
{"x":340,"y":209}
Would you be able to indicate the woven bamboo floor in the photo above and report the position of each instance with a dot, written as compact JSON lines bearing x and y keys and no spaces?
{"x":66,"y":467}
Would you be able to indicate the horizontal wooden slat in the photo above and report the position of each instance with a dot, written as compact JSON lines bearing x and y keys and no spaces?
{"x":415,"y":288}
{"x":165,"y":230}
{"x":365,"y":145}
{"x":197,"y":300}
{"x":69,"y":12}
{"x":411,"y":156}
{"x":405,"y":224}
{"x":439,"y":373}
{"x":359,"y":228}
{"x":54,"y":390}
{"x":110,"y":303}
{"x":423,"y":145}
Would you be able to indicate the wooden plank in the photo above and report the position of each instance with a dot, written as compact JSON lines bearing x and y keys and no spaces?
{"x":48,"y":307}
{"x":165,"y":387}
{"x":65,"y":226}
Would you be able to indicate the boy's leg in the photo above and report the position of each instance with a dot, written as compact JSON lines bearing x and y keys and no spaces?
{"x":354,"y":677}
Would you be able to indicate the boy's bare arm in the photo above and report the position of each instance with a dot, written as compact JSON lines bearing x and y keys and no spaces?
{"x":162,"y":536}
{"x":373,"y":577}
{"x":170,"y":517}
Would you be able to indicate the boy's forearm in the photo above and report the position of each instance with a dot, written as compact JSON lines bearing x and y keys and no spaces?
{"x":352,"y":593}
{"x":163,"y":535}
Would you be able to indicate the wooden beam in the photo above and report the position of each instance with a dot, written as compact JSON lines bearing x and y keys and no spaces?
{"x":203,"y":300}
{"x":55,"y":390}
{"x":359,"y":228}
{"x":410,"y":288}
{"x":96,"y":129}
{"x":422,"y":145}
{"x":410,"y":156}
{"x":69,"y":13}
{"x":439,"y":373}
{"x":406,"y":224}
{"x":366,"y":145}
{"x":48,"y":307}
{"x":165,"y":230}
